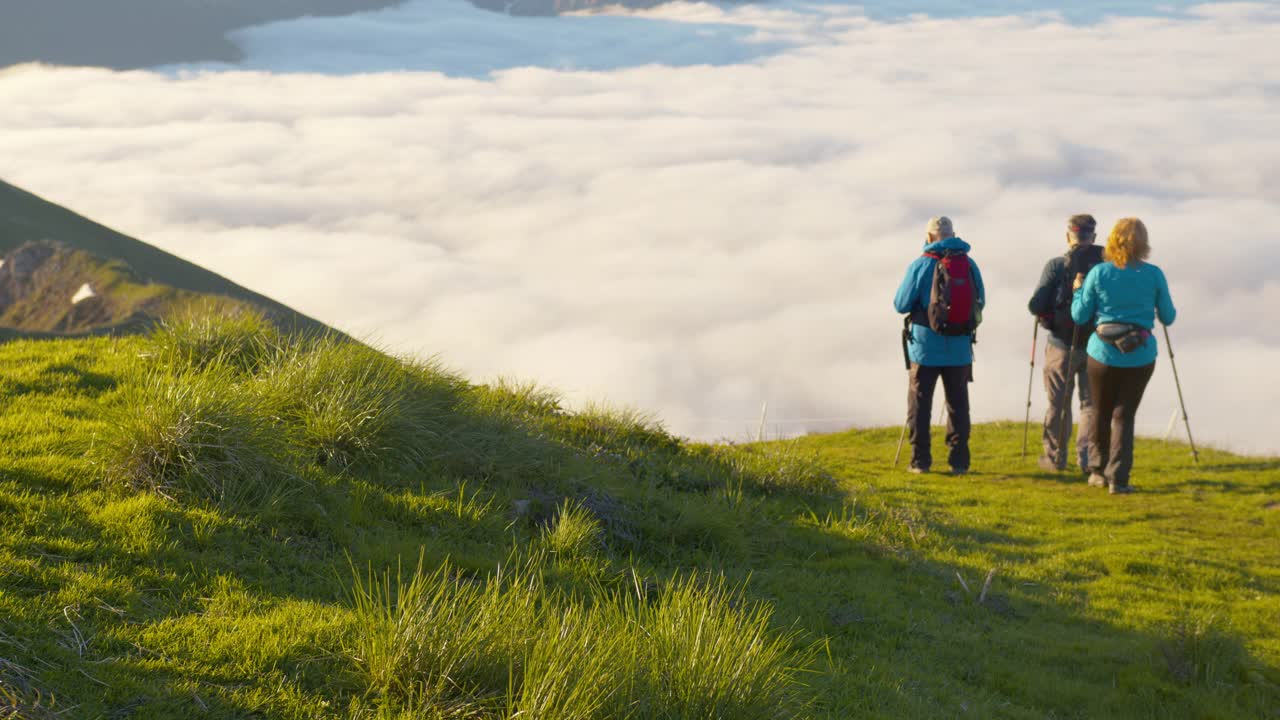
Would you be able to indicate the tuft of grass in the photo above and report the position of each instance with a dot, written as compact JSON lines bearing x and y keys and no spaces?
{"x":1197,"y":653}
{"x":196,"y":435}
{"x":19,"y":698}
{"x":439,"y":639}
{"x":513,"y":642}
{"x":350,"y":404}
{"x":575,"y":532}
{"x":211,"y":333}
{"x":770,"y":469}
{"x":579,"y":666}
{"x":626,"y":431}
{"x":517,"y":398}
{"x":712,"y":655}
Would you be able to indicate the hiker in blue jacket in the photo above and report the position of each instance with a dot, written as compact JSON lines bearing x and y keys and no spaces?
{"x":1122,"y":297}
{"x":933,"y":355}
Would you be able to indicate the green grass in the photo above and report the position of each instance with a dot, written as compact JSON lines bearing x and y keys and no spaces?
{"x":319,"y":531}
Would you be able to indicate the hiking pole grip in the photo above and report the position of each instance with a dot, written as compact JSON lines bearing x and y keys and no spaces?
{"x":1195,"y":454}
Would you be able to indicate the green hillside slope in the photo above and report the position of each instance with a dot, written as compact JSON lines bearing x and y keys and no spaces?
{"x":26,"y":218}
{"x":219,"y":522}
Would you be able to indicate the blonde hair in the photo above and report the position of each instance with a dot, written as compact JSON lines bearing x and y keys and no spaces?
{"x":1128,"y":242}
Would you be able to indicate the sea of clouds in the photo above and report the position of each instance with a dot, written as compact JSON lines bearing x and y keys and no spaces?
{"x":698,"y":209}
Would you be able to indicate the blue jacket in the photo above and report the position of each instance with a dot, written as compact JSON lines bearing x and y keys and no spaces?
{"x":928,"y":347}
{"x":1134,"y":295}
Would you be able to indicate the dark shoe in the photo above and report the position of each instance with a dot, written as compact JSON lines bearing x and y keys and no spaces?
{"x":1098,"y":480}
{"x":959,"y":471}
{"x":1121,"y":489}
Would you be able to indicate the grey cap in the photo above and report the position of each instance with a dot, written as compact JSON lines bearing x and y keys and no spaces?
{"x":941,"y":227}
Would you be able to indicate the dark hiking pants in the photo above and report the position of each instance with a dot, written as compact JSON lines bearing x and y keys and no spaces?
{"x":1117,"y":392}
{"x":955,"y":383}
{"x":1064,"y":372}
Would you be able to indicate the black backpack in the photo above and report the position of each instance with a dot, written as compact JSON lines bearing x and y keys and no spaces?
{"x":1080,"y":260}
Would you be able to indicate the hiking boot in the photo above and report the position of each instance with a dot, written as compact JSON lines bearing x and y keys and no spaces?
{"x":1098,"y":480}
{"x":1121,"y":489}
{"x":1048,"y":465}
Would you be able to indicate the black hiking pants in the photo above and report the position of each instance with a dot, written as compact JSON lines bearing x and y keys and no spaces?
{"x":955,"y":383}
{"x":1117,"y":392}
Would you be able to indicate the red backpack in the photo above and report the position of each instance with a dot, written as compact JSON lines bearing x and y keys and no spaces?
{"x":953,"y":300}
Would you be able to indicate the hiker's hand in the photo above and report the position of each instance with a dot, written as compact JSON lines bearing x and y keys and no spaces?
{"x":1079,"y":281}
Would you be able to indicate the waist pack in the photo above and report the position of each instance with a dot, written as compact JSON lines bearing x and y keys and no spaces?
{"x":1122,"y":336}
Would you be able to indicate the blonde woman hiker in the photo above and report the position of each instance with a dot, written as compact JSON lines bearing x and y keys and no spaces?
{"x":1122,"y":297}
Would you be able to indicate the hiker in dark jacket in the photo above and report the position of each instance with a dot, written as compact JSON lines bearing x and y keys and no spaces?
{"x":1122,"y":297}
{"x":934,"y":355}
{"x":1064,"y":354}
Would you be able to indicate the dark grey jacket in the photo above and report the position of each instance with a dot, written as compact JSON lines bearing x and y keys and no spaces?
{"x":1045,"y":303}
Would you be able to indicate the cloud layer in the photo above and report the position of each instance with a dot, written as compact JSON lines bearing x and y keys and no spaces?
{"x":698,"y":240}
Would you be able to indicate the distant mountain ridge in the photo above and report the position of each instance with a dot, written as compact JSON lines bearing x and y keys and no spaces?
{"x":131,"y":34}
{"x":63,"y":274}
{"x":557,"y":7}
{"x":136,"y":34}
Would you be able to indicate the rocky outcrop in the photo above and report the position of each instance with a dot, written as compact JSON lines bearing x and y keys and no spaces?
{"x":18,"y":271}
{"x":41,"y":290}
{"x":51,"y":288}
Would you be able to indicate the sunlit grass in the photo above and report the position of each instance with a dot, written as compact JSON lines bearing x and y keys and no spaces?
{"x":513,"y":641}
{"x":197,"y":435}
{"x":178,"y":538}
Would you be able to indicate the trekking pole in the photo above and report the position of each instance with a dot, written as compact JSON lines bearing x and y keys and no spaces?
{"x":901,"y":438}
{"x":1064,"y":429}
{"x":906,"y":359}
{"x":1195,"y":454}
{"x":1026,"y":428}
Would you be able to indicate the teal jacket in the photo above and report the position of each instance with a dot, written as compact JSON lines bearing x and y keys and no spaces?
{"x":928,"y":347}
{"x":1136,"y":295}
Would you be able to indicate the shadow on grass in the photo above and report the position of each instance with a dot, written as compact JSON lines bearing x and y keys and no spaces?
{"x":1239,"y":487}
{"x":1024,"y":647}
{"x":1254,"y":467}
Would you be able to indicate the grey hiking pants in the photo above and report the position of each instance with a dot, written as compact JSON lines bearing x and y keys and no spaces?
{"x":1063,"y":373}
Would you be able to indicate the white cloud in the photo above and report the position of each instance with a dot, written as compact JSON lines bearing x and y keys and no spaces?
{"x":696,"y":240}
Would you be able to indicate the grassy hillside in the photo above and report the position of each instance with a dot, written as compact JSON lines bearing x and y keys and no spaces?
{"x":26,"y":218}
{"x":216,"y":521}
